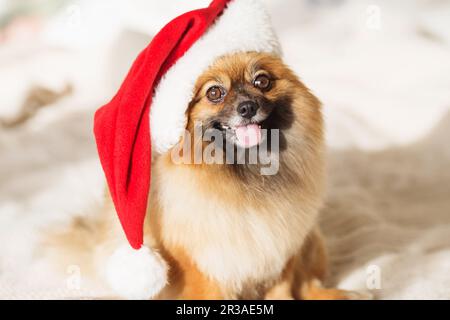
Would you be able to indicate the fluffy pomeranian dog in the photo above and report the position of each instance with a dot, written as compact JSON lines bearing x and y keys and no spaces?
{"x":226,"y":230}
{"x":231,"y":231}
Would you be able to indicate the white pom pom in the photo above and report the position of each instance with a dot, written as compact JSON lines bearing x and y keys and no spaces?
{"x":136,"y":274}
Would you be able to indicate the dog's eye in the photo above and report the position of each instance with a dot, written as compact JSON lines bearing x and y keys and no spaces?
{"x":215,"y":94}
{"x":262,"y":82}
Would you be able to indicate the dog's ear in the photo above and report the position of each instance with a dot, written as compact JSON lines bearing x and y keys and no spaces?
{"x":196,"y":99}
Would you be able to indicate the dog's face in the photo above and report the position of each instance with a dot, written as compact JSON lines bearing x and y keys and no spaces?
{"x":255,"y":103}
{"x":242,"y":94}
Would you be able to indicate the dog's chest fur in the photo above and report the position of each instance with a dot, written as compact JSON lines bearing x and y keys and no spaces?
{"x":237,"y":244}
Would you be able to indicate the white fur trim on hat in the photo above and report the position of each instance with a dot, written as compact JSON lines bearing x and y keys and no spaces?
{"x":136,"y":274}
{"x":244,"y":26}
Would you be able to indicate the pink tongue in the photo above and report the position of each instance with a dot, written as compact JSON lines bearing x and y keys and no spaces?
{"x":249,"y":135}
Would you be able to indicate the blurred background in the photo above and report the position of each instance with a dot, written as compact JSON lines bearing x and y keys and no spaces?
{"x":381,"y":69}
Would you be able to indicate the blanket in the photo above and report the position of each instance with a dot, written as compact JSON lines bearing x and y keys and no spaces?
{"x":382,"y":73}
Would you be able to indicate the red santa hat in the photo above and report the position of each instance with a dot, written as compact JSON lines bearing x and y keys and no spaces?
{"x":149,"y":110}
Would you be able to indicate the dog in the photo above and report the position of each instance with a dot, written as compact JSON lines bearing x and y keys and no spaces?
{"x":226,"y":230}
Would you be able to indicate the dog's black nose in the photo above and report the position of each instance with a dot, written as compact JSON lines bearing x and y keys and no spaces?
{"x":247,"y":109}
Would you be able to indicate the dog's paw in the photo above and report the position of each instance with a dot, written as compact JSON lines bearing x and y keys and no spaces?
{"x":338,"y":294}
{"x":315,"y":291}
{"x":358,"y":295}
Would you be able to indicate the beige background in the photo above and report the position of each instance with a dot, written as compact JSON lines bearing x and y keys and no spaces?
{"x":381,"y":68}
